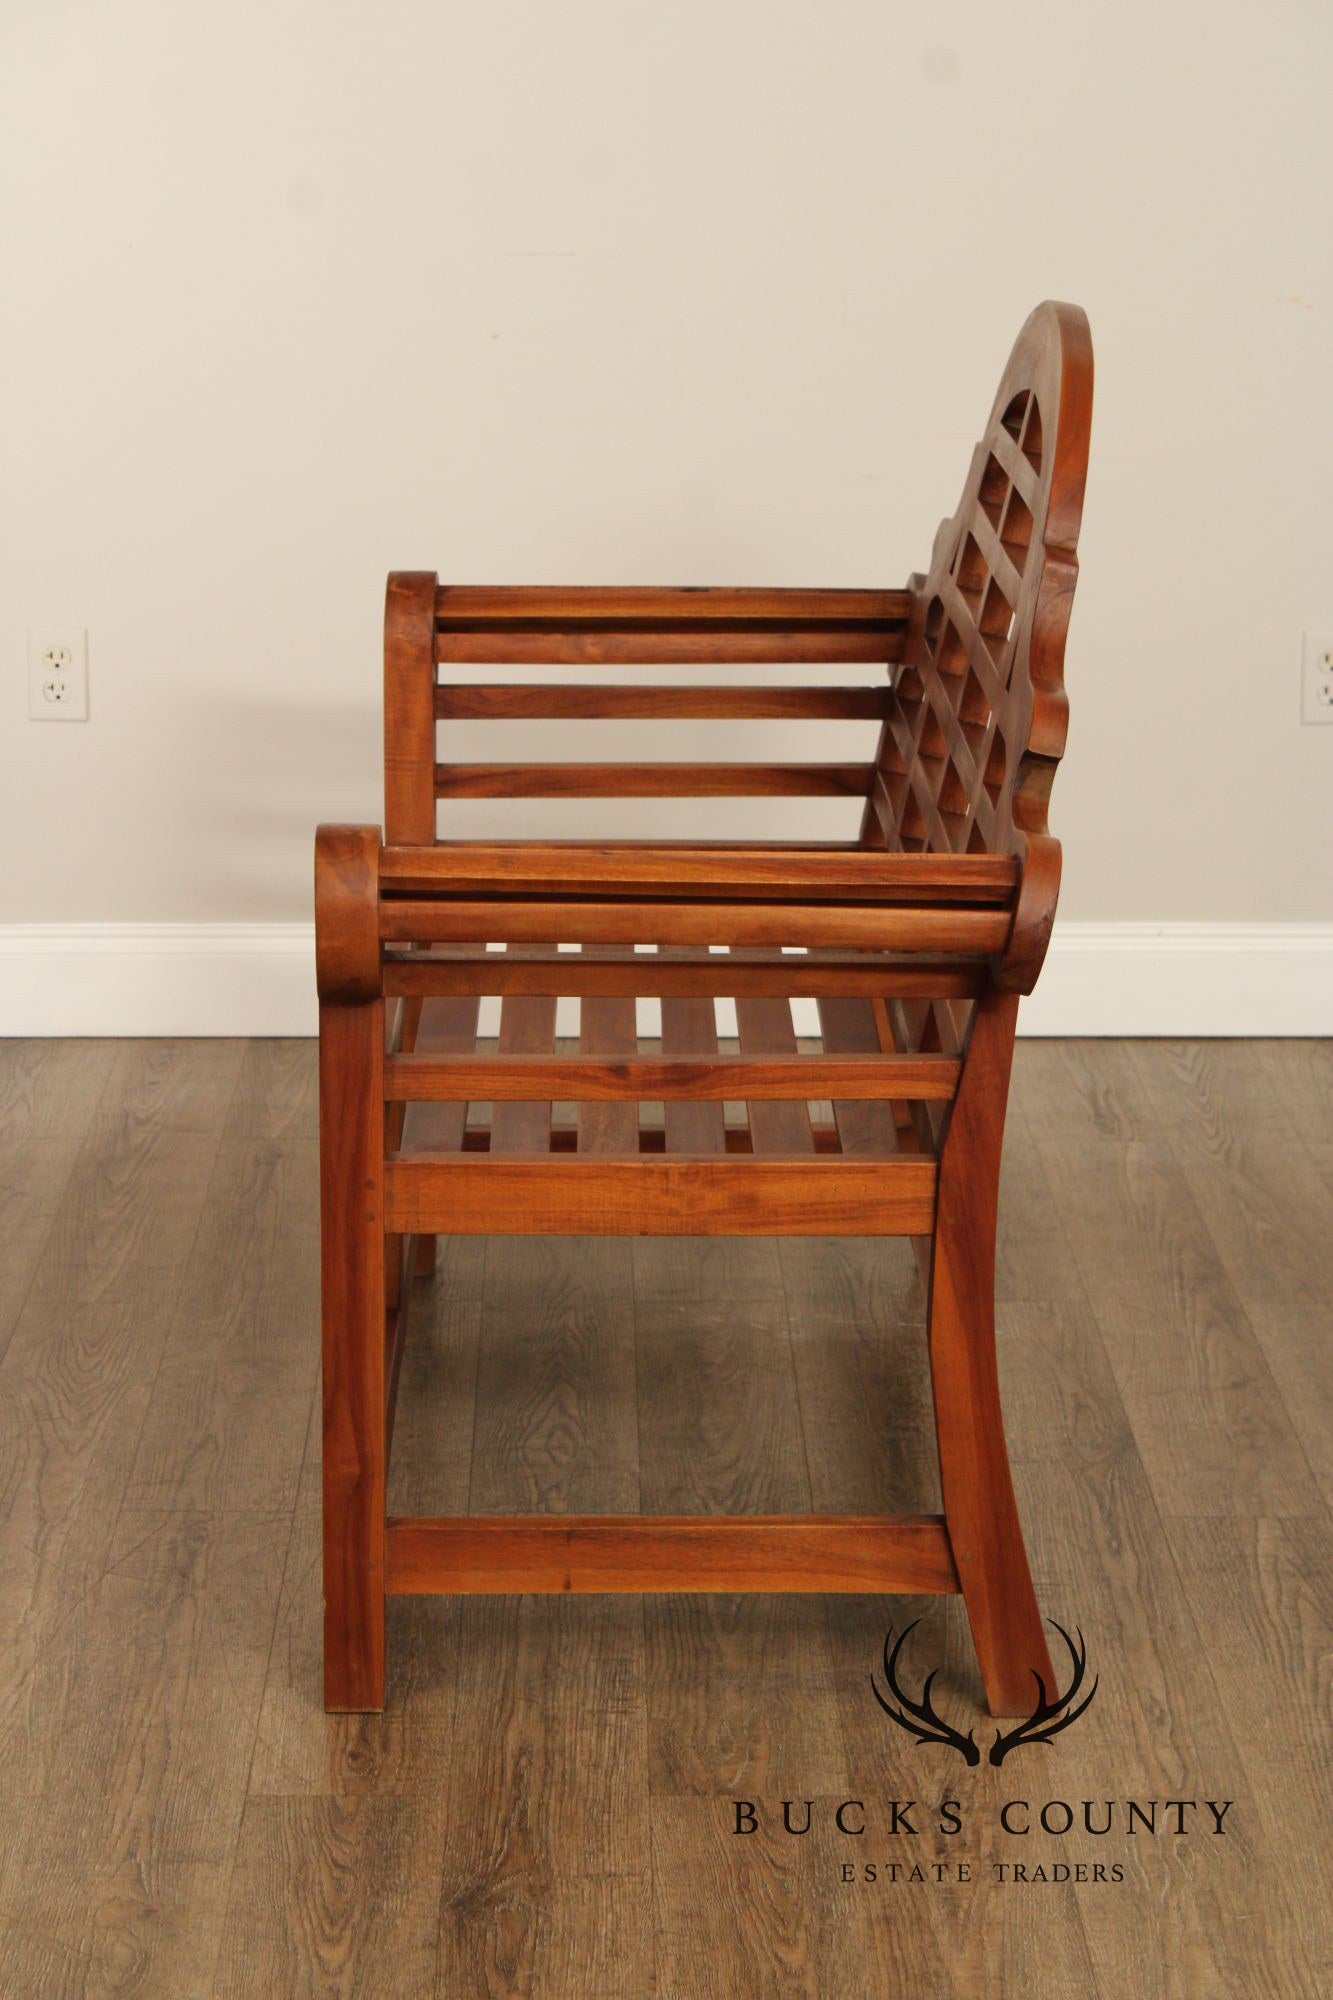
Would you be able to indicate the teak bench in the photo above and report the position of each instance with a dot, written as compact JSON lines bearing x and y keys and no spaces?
{"x":914,"y":941}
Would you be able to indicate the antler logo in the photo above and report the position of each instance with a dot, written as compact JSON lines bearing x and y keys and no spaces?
{"x":1046,"y":1721}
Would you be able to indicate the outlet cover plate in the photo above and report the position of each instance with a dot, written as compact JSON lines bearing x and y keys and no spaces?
{"x":58,"y":673}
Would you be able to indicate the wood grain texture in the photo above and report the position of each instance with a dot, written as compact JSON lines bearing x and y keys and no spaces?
{"x":969,"y":750}
{"x":689,"y":1028}
{"x":554,"y":1431}
{"x":595,"y":1553}
{"x":226,"y":1425}
{"x":876,"y":927}
{"x":550,"y":868}
{"x":651,"y":781}
{"x":527,"y":1027}
{"x":608,"y":1122}
{"x":335,"y":1895}
{"x":969,"y":1427}
{"x":545,"y":1805}
{"x":140,"y":1175}
{"x":644,"y":1195}
{"x":628,"y":1075}
{"x":662,"y":605}
{"x":1214,"y":1431}
{"x":765,"y":1028}
{"x":680,"y":971}
{"x":352,"y":1240}
{"x":588,"y":645}
{"x":482,"y":701}
{"x":409,"y":705}
{"x":720,"y":1432}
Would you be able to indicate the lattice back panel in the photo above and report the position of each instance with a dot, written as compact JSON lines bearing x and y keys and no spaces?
{"x":978,"y":715}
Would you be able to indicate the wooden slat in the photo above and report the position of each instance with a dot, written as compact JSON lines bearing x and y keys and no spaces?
{"x":637,"y":1552}
{"x":586,"y":1078}
{"x":811,"y":645}
{"x":550,"y":868}
{"x":607,"y":1028}
{"x":666,"y":1195}
{"x":527,"y":1028}
{"x":689,"y":1028}
{"x":685,"y":971}
{"x":886,"y":927}
{"x":501,"y":604}
{"x":651,"y":781}
{"x":652,"y":1138}
{"x":474,"y":701}
{"x":766,"y":1030}
{"x":409,"y":706}
{"x":654,"y":846}
{"x":850,"y":1032}
{"x":448,"y":1028}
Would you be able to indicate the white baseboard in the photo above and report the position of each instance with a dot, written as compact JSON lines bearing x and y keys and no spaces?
{"x":258,"y":979}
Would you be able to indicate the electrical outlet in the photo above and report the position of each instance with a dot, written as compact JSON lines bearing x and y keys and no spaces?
{"x":57,"y":673}
{"x":1317,"y":678}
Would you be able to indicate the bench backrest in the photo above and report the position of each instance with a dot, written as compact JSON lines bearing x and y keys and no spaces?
{"x":973,"y":713}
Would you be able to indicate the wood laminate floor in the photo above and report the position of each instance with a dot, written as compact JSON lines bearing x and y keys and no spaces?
{"x":545,"y":1808}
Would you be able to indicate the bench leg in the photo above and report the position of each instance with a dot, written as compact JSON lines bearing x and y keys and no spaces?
{"x":351,"y":1056}
{"x":979,"y":1505}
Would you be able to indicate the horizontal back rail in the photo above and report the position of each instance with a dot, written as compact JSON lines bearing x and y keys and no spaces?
{"x":485,"y":701}
{"x":619,"y":646}
{"x":651,"y":781}
{"x":665,"y":605}
{"x":640,"y":627}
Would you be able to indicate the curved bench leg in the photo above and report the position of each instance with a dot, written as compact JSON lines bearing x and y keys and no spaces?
{"x":979,"y":1503}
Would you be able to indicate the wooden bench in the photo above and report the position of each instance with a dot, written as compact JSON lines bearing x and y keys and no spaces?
{"x":914,"y":942}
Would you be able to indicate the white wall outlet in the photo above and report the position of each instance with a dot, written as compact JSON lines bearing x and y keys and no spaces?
{"x":1317,"y":678}
{"x":57,"y":673}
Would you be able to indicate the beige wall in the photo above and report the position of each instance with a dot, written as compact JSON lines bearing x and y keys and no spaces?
{"x":700,"y":292}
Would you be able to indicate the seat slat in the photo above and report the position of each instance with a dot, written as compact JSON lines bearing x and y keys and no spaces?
{"x":765,"y":1027}
{"x":527,"y":1027}
{"x":849,"y":1028}
{"x":607,"y":1028}
{"x":448,"y":1028}
{"x":689,"y":1028}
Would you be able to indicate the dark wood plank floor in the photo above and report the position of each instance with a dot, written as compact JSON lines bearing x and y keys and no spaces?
{"x":544,"y":1809}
